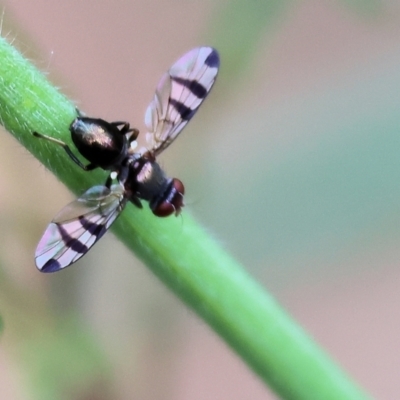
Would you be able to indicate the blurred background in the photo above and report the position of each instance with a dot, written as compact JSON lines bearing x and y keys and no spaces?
{"x":292,"y":164}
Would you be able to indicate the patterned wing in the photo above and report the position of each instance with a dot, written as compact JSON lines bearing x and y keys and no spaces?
{"x":78,"y":226}
{"x":178,"y":96}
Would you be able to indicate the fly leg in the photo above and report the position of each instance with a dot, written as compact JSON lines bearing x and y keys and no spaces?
{"x":72,"y":156}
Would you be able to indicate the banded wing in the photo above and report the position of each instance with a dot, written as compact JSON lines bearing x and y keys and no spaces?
{"x":178,"y":96}
{"x":78,"y":226}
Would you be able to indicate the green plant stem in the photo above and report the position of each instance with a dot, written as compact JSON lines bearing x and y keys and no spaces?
{"x":179,"y":252}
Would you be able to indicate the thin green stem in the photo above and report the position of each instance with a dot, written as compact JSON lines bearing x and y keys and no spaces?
{"x":179,"y":252}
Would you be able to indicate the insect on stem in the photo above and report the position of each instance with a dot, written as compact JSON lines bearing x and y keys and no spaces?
{"x":110,"y":146}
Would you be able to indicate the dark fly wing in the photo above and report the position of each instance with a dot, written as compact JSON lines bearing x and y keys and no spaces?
{"x":179,"y":95}
{"x":78,"y":226}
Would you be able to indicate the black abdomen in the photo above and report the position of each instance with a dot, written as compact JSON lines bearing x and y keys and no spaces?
{"x":99,"y":141}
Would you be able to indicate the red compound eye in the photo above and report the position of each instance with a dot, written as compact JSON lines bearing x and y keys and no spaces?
{"x":172,"y":201}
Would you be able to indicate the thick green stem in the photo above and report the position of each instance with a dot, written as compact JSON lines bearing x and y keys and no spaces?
{"x":179,"y":252}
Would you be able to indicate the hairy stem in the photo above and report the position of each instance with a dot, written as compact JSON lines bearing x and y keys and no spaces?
{"x":180,"y":253}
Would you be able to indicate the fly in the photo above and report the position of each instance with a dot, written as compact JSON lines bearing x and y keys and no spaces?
{"x":110,"y":146}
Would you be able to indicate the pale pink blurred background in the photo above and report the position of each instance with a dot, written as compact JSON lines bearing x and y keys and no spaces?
{"x":342,"y":285}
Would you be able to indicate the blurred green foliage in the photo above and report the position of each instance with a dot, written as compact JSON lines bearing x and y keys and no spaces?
{"x":63,"y":360}
{"x":237,"y":29}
